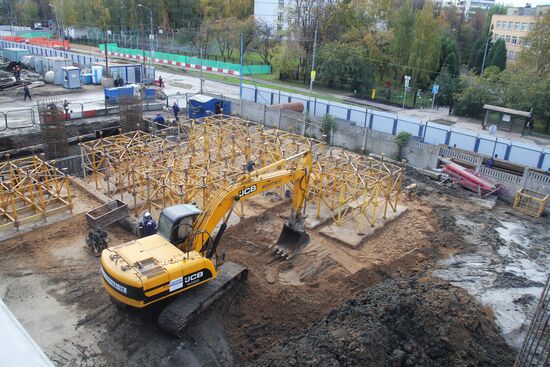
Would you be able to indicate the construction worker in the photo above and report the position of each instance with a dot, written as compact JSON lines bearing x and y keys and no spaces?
{"x":66,"y":109}
{"x":159,"y":119}
{"x":176,"y":110}
{"x":147,"y":225}
{"x":27,"y":92}
{"x":17,"y":73}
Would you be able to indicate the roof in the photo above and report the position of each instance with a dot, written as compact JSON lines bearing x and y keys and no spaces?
{"x":200,"y":98}
{"x":17,"y":348}
{"x":508,"y":111}
{"x":181,"y":210}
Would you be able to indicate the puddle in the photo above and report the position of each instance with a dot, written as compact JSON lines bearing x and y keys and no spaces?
{"x":506,"y":270}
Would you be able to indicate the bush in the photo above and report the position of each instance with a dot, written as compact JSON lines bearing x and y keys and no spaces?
{"x":328,"y":125}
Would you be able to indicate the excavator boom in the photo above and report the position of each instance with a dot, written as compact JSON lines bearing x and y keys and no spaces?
{"x":178,"y":258}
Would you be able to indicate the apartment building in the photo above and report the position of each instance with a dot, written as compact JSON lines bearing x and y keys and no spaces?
{"x":515,"y":26}
{"x":272,"y":13}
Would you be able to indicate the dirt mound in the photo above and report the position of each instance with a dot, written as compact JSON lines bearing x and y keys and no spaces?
{"x":400,"y":322}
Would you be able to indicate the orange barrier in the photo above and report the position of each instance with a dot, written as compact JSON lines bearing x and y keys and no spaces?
{"x":13,"y":39}
{"x":47,"y":42}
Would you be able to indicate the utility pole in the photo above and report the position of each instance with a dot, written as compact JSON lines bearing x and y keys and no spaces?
{"x":486,"y":47}
{"x":201,"y":78}
{"x":241,"y":68}
{"x":151,"y":36}
{"x":313,"y":72}
{"x":106,"y":56}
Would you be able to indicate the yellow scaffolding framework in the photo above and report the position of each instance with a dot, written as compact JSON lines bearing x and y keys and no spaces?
{"x":150,"y":172}
{"x":31,"y":190}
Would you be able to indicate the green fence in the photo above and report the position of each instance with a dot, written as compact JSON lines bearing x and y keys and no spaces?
{"x":247,"y":69}
{"x":36,"y":35}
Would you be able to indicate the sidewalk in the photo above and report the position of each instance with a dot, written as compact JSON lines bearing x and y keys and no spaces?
{"x":467,"y":123}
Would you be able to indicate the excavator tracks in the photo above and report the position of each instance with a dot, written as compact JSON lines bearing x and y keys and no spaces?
{"x":175,"y":317}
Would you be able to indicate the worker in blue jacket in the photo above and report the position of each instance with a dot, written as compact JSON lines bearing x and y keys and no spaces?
{"x":161,"y":123}
{"x":147,"y":225}
{"x":176,"y":110}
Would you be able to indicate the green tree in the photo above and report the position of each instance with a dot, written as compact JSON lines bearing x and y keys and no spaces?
{"x":426,"y":46}
{"x":404,"y":28}
{"x":537,"y":55}
{"x":346,"y":64}
{"x":449,"y":56}
{"x":448,"y":86}
{"x":27,"y":12}
{"x":497,"y":55}
{"x":286,"y":59}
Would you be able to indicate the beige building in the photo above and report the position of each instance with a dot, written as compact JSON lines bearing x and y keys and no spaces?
{"x":514,"y":27}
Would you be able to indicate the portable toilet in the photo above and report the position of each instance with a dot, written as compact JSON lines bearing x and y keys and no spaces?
{"x":201,"y":106}
{"x":71,"y":77}
{"x":97,"y":74}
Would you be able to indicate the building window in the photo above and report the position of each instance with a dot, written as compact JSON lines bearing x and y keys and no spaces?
{"x":520,"y":41}
{"x":514,"y":40}
{"x":510,"y":25}
{"x":511,"y":55}
{"x":280,"y":16}
{"x":524,"y":27}
{"x":281,"y":3}
{"x":530,"y":27}
{"x":508,"y":39}
{"x":518,"y":26}
{"x":499,"y":24}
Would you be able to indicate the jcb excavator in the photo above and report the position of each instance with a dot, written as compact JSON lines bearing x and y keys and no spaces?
{"x":181,"y":256}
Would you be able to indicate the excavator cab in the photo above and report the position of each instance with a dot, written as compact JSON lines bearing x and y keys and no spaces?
{"x":176,"y":223}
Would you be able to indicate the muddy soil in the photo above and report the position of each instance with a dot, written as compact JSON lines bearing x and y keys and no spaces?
{"x":53,"y":287}
{"x":400,"y":322}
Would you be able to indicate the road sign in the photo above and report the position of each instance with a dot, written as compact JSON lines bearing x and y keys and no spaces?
{"x":407,"y":80}
{"x":435,"y":89}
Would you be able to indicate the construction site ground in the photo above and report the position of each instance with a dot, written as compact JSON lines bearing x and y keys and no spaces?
{"x":283,"y":311}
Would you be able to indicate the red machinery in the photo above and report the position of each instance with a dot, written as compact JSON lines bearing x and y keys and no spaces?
{"x":469,"y":179}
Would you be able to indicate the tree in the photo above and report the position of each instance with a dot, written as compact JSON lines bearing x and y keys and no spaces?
{"x":426,"y":46}
{"x":449,"y":56}
{"x":27,"y":11}
{"x":286,"y":59}
{"x":346,"y":64}
{"x":537,"y":55}
{"x":264,"y":43}
{"x":497,"y":55}
{"x":448,"y":86}
{"x":404,"y":28}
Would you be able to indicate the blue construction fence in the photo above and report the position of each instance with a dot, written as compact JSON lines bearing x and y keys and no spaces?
{"x":76,"y":58}
{"x":428,"y":132}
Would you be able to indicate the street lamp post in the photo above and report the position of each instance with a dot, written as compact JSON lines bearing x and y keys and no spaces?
{"x":486,"y":47}
{"x":56,"y":20}
{"x":313,"y":73}
{"x":151,"y":47}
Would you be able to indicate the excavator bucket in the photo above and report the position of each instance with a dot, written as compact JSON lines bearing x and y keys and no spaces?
{"x":290,"y":241}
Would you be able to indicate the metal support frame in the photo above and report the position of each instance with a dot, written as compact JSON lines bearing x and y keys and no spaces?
{"x":31,"y":190}
{"x":148,"y":171}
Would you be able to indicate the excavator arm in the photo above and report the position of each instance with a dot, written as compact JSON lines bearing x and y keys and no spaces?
{"x":274,"y":175}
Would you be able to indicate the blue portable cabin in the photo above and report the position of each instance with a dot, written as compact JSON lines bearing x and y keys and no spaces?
{"x":201,"y":106}
{"x":113,"y":95}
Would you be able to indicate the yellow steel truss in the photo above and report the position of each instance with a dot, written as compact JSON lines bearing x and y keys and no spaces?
{"x":31,"y":190}
{"x":150,"y":172}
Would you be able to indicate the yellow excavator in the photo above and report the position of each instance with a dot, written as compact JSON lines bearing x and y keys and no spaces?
{"x":181,"y":256}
